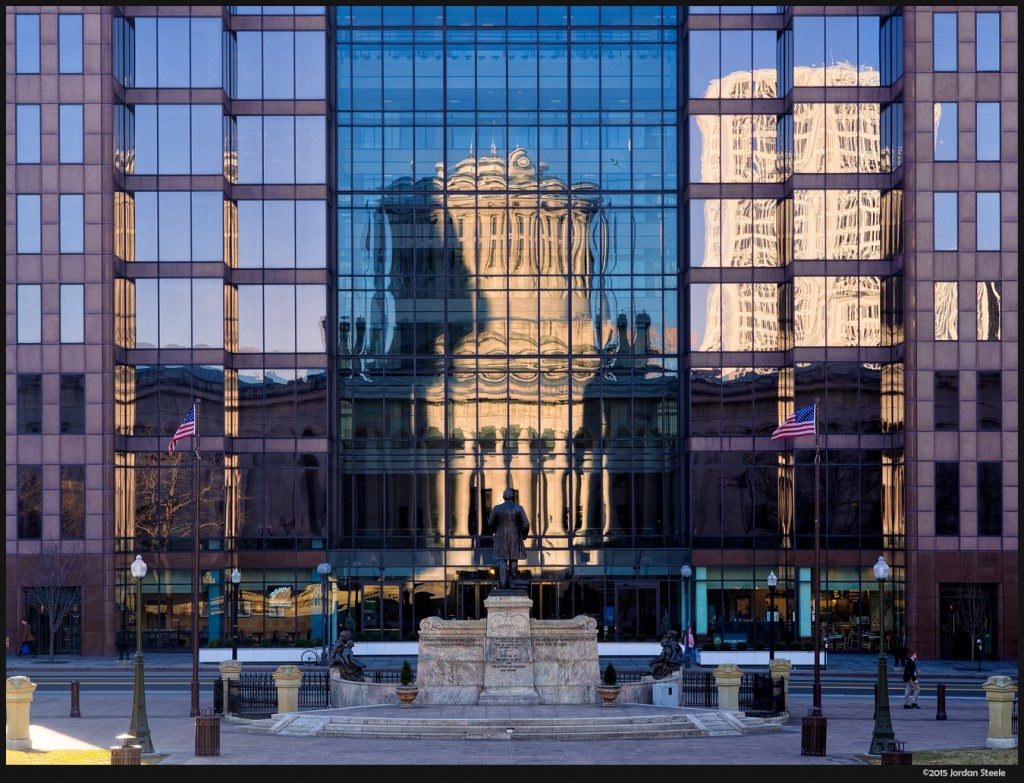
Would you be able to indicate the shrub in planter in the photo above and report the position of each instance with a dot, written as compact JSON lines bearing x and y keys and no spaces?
{"x":809,"y":646}
{"x":710,"y":646}
{"x":794,"y":646}
{"x":405,"y":676}
{"x":759,"y":645}
{"x":610,"y":675}
{"x":741,"y":645}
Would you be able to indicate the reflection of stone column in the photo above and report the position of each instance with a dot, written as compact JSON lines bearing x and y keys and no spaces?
{"x":458,"y":520}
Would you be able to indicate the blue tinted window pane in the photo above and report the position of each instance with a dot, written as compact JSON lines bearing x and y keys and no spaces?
{"x":207,"y":145}
{"x":175,"y":233}
{"x":249,"y":52}
{"x":30,"y":322}
{"x":989,"y":221}
{"x":250,"y":149}
{"x":987,"y":42}
{"x":946,"y":127}
{"x":72,"y":138}
{"x":310,"y":144}
{"x":310,"y":70}
{"x":146,"y":227}
{"x":172,"y":53}
{"x":988,"y":131}
{"x":29,"y":227}
{"x":279,"y":55}
{"x":311,"y":234}
{"x":206,"y":57}
{"x":26,"y":43}
{"x":175,"y":313}
{"x":27,"y":140}
{"x":70,"y":43}
{"x":944,"y":42}
{"x":945,"y":220}
{"x":72,"y":224}
{"x":809,"y":47}
{"x":279,"y":149}
{"x":145,"y":140}
{"x":175,"y":150}
{"x":72,"y":313}
{"x":207,"y":314}
{"x":207,"y":227}
{"x":145,"y":52}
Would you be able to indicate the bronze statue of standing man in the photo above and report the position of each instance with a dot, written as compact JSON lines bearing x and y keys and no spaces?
{"x":510,"y":526}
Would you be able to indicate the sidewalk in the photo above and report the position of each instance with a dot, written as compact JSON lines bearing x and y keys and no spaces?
{"x":850,"y":715}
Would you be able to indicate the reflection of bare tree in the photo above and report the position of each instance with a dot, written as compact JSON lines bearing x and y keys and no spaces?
{"x":164,"y":495}
{"x":53,"y":583}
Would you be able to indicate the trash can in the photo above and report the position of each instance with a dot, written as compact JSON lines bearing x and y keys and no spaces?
{"x":125,"y":755}
{"x":665,"y":695}
{"x":814,"y":732}
{"x":896,"y":755}
{"x":208,"y":734}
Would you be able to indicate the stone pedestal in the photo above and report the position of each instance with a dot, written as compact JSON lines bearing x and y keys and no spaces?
{"x":508,"y":650}
{"x":1000,"y":692}
{"x":287,"y":678}
{"x":19,"y":704}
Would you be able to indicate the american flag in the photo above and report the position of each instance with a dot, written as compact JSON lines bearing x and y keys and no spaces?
{"x":801,"y":422}
{"x":186,"y":429}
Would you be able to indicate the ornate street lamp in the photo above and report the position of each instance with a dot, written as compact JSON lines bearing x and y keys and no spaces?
{"x":686,"y":572}
{"x":883,"y":733}
{"x":324,"y":569}
{"x":772,"y":582}
{"x":236,"y":580}
{"x":140,"y":725}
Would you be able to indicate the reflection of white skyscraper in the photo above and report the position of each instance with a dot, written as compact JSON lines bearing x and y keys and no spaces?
{"x":827,"y":224}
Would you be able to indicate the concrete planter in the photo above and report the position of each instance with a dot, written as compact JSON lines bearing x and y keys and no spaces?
{"x":758,"y":657}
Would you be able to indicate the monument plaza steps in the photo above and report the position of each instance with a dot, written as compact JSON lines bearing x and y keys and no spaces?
{"x":469,"y":722}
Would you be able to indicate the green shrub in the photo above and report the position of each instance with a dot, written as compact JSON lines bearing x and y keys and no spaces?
{"x":412,"y":636}
{"x":610,"y":675}
{"x":710,"y":646}
{"x":794,"y":646}
{"x":741,"y":645}
{"x":405,"y":676}
{"x":759,"y":645}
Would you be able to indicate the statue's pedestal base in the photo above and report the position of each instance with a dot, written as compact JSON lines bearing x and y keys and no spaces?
{"x":508,"y":650}
{"x":508,"y":658}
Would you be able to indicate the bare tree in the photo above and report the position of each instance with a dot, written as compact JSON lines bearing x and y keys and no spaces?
{"x":971,"y":610}
{"x":54,"y":582}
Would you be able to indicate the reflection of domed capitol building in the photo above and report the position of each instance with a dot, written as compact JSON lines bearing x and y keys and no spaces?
{"x":501,"y":368}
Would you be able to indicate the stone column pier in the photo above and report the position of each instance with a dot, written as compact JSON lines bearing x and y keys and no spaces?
{"x":19,"y":705}
{"x":1000,"y":692}
{"x":287,"y":678}
{"x":727,"y":679}
{"x":508,"y":650}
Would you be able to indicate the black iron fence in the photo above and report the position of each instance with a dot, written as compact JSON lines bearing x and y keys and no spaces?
{"x":254,"y":695}
{"x":760,"y":696}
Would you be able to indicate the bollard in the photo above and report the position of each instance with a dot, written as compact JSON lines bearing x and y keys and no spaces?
{"x":940,"y":702}
{"x":75,"y":712}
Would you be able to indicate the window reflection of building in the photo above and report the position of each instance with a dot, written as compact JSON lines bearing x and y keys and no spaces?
{"x":544,"y":389}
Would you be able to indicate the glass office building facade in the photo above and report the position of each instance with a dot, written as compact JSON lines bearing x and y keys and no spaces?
{"x":403,"y":258}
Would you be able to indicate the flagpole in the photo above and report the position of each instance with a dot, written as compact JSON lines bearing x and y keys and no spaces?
{"x":195,"y":568}
{"x":816,"y":596}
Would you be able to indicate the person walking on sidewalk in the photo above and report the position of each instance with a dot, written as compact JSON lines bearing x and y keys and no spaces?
{"x":27,"y":639}
{"x":913,"y":690}
{"x":688,"y":644}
